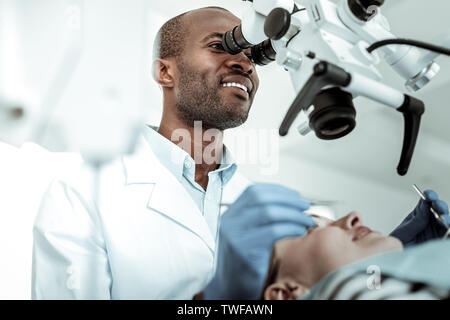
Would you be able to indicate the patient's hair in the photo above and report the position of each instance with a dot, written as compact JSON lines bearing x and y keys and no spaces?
{"x":272,"y":272}
{"x":170,"y":39}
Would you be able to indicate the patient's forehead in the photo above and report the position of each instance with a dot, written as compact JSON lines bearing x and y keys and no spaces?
{"x":284,"y":247}
{"x":284,"y":244}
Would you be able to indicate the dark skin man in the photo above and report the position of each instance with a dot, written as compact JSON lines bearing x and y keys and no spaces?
{"x":205,"y":84}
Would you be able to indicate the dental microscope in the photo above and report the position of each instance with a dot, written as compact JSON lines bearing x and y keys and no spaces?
{"x":331,"y":50}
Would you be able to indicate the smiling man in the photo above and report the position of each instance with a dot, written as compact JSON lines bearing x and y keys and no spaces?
{"x":152,"y":230}
{"x":202,"y":83}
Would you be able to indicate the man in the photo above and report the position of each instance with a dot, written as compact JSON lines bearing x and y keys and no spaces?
{"x":151,"y":231}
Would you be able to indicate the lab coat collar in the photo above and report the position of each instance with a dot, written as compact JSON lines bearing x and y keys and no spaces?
{"x":179,"y":162}
{"x":228,"y":166}
{"x":168,"y":153}
{"x":168,"y":197}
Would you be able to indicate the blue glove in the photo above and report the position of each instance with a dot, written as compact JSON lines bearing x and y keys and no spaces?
{"x":263,"y":214}
{"x":421,"y":225}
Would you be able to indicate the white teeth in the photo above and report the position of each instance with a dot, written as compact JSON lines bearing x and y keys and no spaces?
{"x":234,"y":84}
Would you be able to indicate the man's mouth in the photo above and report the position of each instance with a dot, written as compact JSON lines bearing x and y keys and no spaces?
{"x":234,"y":84}
{"x":238,"y":81}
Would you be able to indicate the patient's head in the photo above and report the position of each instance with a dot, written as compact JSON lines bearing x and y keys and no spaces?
{"x":298,"y":263}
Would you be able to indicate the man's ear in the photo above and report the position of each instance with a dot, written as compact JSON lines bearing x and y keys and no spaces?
{"x":163,"y":72}
{"x":285,"y":291}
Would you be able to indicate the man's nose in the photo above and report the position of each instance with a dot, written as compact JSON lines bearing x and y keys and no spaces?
{"x":240,"y":62}
{"x":350,"y":221}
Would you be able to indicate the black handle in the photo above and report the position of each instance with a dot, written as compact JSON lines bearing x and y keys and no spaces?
{"x":412,"y":110}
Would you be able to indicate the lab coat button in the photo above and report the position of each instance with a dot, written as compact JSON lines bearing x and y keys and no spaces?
{"x":187,"y":164}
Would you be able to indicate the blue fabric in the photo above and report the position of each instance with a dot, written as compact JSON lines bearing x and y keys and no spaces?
{"x":428,"y":263}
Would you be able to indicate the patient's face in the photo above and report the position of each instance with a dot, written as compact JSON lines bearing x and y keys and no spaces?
{"x":331,"y":245}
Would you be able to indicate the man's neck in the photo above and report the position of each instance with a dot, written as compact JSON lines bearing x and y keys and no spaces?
{"x":204,"y":146}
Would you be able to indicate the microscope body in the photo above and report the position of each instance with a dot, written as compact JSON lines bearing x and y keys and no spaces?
{"x":325,"y":47}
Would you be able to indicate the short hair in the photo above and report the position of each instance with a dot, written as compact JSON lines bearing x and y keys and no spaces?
{"x":272,"y":272}
{"x":171,"y":37}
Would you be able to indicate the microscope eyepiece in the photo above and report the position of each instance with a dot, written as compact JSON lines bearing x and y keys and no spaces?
{"x":263,"y":53}
{"x":233,"y":41}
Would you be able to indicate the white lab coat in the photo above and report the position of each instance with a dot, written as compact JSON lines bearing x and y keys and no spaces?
{"x":145,"y":238}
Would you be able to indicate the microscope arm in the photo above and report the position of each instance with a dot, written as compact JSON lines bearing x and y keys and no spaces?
{"x":327,"y":74}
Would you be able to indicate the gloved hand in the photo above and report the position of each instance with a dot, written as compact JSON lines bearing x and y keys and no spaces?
{"x":263,"y":214}
{"x":421,"y":225}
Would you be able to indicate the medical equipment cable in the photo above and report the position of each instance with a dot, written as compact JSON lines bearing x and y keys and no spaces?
{"x":410,"y":42}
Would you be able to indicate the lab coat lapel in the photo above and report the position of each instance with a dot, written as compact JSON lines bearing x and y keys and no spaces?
{"x":168,"y":197}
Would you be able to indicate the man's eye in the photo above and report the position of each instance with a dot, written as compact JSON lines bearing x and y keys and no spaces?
{"x":217,"y":46}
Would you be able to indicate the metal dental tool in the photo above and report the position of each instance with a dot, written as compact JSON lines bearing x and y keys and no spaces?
{"x":436,"y":215}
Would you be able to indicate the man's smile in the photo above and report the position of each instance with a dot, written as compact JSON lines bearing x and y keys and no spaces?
{"x":239,"y":81}
{"x":234,"y":84}
{"x":238,"y":92}
{"x":241,"y":86}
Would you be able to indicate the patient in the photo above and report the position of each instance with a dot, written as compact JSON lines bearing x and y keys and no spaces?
{"x":297,"y":264}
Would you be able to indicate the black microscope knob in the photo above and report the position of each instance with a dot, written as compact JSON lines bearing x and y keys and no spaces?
{"x":368,"y":3}
{"x":277,"y":23}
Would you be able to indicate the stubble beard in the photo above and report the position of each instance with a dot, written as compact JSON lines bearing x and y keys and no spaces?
{"x":197,"y":101}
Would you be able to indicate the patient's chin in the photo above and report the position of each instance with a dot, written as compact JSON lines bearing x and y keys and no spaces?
{"x":396,"y":244}
{"x":379,"y":244}
{"x":388,"y":244}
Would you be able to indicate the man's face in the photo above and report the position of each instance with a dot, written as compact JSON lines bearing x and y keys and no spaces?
{"x":212,"y":85}
{"x":328,"y":247}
